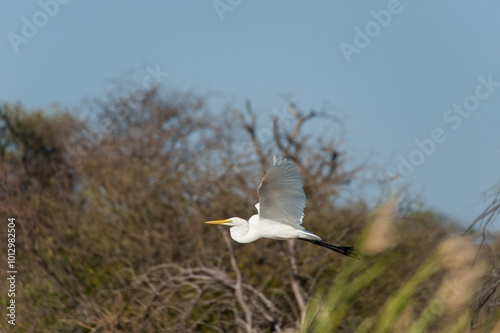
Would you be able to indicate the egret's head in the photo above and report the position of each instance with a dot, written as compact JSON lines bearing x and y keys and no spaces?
{"x":239,"y":229}
{"x":232,"y":222}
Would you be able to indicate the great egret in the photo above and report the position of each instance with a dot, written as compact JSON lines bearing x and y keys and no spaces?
{"x":280,"y":211}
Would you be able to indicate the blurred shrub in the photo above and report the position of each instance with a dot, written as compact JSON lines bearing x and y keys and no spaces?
{"x":110,"y":213}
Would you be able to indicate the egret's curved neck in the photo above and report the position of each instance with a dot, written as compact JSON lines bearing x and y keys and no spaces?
{"x":242,"y":233}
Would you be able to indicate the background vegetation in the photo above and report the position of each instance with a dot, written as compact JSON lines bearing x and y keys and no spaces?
{"x":110,"y":232}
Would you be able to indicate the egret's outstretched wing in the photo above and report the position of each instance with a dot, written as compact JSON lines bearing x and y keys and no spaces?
{"x":281,"y":197}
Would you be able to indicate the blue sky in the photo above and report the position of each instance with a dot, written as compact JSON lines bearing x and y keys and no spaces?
{"x":395,"y":89}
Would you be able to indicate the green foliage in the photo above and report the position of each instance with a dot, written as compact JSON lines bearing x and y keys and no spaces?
{"x":448,"y":310}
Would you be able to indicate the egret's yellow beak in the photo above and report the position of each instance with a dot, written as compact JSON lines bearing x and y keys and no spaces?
{"x":218,"y":221}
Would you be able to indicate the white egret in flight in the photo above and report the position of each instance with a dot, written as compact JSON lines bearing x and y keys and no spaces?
{"x":280,"y":211}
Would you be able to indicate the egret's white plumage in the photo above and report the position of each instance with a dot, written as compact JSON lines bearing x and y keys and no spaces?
{"x":281,"y":197}
{"x":280,"y":210}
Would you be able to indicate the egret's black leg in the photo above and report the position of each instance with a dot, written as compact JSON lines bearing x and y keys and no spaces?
{"x":345,"y":250}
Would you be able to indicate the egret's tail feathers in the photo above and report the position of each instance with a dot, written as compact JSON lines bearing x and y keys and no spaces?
{"x":345,"y":250}
{"x":306,"y":235}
